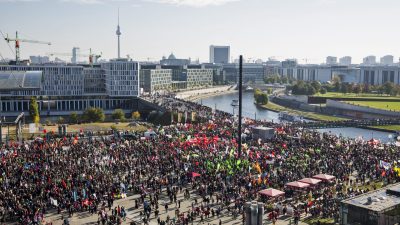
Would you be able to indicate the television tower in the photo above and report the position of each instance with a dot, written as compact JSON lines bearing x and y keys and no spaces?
{"x":118,"y":34}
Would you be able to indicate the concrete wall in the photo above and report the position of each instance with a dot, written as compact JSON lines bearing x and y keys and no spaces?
{"x":298,"y":98}
{"x":364,"y":109}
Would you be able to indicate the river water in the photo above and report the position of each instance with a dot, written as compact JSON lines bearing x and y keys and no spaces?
{"x":250,"y":110}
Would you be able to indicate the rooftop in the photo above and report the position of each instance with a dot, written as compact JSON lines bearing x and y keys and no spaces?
{"x":382,"y":199}
{"x":16,"y":80}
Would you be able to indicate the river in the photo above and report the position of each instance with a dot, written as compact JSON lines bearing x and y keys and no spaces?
{"x":250,"y":110}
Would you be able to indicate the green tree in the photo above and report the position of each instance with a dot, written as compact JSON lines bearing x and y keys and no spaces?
{"x":336,"y":83}
{"x":136,"y":115}
{"x":73,"y":117}
{"x":323,"y":90}
{"x":34,"y":110}
{"x":388,"y":88}
{"x":316,"y":85}
{"x":93,"y":115}
{"x":260,"y":97}
{"x":118,"y":114}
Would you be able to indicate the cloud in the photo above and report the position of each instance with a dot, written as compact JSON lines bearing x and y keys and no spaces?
{"x":194,"y":3}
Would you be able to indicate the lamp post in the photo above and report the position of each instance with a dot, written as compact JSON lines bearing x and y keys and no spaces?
{"x":240,"y":104}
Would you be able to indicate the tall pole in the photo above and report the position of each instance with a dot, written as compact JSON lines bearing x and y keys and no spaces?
{"x":240,"y":105}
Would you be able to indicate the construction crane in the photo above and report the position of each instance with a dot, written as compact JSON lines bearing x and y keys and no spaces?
{"x":17,"y":44}
{"x":92,"y":56}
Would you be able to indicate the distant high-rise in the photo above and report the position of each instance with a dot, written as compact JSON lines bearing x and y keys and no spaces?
{"x":118,"y":34}
{"x":369,"y":60}
{"x":346,"y":61}
{"x":39,"y":59}
{"x":75,"y":54}
{"x":219,"y":54}
{"x":331,"y":60}
{"x":387,"y":60}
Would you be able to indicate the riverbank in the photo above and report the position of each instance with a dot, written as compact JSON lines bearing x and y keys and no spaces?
{"x":307,"y":115}
{"x":195,"y":95}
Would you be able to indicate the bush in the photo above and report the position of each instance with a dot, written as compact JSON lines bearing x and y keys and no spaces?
{"x":73,"y":117}
{"x":118,"y":114}
{"x":94,"y":115}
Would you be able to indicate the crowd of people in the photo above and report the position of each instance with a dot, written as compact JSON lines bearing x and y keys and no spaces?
{"x":199,"y":159}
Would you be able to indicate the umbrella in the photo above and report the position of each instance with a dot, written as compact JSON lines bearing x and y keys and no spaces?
{"x":324,"y":177}
{"x":193,"y":174}
{"x":297,"y":184}
{"x":310,"y":181}
{"x":270,"y":192}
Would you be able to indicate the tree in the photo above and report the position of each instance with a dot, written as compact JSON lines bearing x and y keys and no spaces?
{"x":323,"y":90}
{"x":60,"y":120}
{"x":136,"y":115}
{"x":316,"y":85}
{"x":260,"y":97}
{"x":118,"y":114}
{"x":73,"y":117}
{"x":34,"y":110}
{"x":357,"y":89}
{"x":93,"y":115}
{"x":343,"y":88}
{"x":336,"y":83}
{"x":388,"y":88}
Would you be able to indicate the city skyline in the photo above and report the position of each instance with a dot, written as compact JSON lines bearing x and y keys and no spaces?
{"x":308,"y":29}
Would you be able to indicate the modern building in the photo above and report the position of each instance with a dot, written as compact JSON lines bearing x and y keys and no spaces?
{"x":331,"y":60}
{"x":379,"y":74}
{"x":39,"y":59}
{"x":387,"y":60}
{"x":94,"y":80}
{"x":61,"y":89}
{"x":345,"y":61}
{"x":220,"y":54}
{"x":379,"y":207}
{"x":199,"y":78}
{"x":122,"y":77}
{"x":369,"y":60}
{"x":155,"y":80}
{"x":75,"y":55}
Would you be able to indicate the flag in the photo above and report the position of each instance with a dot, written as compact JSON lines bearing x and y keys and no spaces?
{"x":384,"y":164}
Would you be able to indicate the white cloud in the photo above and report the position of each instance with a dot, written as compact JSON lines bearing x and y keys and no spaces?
{"x":194,"y":3}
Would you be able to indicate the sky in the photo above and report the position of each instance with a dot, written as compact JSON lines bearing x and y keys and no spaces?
{"x":308,"y":30}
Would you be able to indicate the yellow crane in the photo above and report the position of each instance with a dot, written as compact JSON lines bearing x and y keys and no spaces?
{"x":17,"y":44}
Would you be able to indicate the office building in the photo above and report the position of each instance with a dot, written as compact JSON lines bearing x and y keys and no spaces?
{"x":387,"y":60}
{"x":199,"y":78}
{"x":122,"y":77}
{"x":345,"y":61}
{"x":369,"y":60}
{"x":39,"y":59}
{"x":220,"y":54}
{"x":155,"y":80}
{"x":331,"y":60}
